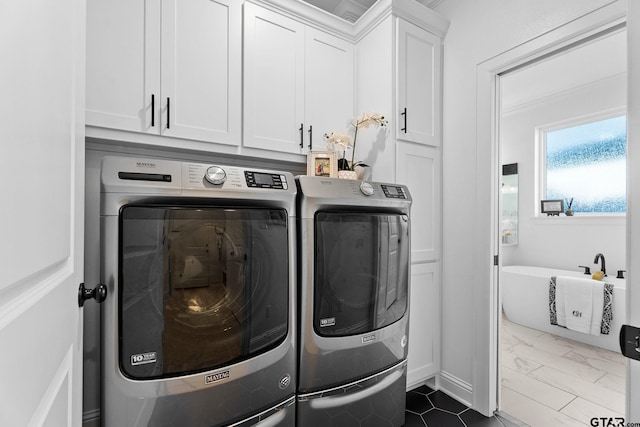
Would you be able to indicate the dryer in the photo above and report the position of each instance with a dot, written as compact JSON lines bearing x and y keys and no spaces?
{"x":198,"y":326}
{"x":354,"y":299}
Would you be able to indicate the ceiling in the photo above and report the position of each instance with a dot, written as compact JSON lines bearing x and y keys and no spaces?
{"x":587,"y":63}
{"x":349,"y":10}
{"x":352,"y":10}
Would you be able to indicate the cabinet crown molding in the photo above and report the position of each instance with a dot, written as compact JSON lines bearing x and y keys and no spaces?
{"x":409,"y":10}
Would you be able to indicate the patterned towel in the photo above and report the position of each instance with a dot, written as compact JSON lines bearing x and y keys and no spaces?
{"x":607,"y":311}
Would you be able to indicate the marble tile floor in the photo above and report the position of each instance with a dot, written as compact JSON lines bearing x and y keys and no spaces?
{"x":553,"y":381}
{"x":426,"y":407}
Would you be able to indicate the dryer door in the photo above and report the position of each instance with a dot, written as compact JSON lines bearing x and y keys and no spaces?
{"x":361,"y":271}
{"x":200,"y":287}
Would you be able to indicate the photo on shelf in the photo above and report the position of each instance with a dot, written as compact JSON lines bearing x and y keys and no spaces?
{"x":322,"y":163}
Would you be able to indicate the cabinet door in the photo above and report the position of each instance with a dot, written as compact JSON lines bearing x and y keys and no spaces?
{"x":201,"y":70}
{"x":418,"y":85}
{"x":273,"y":81}
{"x":424,"y":323}
{"x":418,"y":167}
{"x":123,"y":63}
{"x":328,"y":86}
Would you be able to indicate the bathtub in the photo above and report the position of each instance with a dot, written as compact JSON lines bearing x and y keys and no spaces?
{"x":525,"y":300}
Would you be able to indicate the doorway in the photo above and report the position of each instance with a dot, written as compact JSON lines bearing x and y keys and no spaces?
{"x":545,"y":379}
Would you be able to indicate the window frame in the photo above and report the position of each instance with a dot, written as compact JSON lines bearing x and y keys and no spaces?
{"x":541,"y":154}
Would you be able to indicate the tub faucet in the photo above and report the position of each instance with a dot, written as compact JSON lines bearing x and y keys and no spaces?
{"x":600,"y":257}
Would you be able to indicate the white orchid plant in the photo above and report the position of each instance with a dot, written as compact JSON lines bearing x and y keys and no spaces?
{"x":342,"y":141}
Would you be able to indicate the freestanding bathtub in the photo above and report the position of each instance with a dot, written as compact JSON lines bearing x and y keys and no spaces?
{"x":525,"y":301}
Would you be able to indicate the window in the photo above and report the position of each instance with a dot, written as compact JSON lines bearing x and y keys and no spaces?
{"x":585,"y":165}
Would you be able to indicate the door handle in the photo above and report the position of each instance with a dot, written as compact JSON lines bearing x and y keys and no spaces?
{"x":310,"y":137}
{"x":404,"y":113}
{"x":168,"y":112}
{"x":99,"y":293}
{"x":153,"y":110}
{"x":301,"y":135}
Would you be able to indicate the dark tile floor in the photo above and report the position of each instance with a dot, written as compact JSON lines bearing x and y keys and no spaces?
{"x":426,"y":407}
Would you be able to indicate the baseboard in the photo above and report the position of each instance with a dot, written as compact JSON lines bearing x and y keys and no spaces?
{"x":91,"y":418}
{"x":460,"y":390}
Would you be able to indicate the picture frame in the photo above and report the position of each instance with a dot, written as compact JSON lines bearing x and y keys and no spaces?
{"x":322,"y":164}
{"x":551,"y":207}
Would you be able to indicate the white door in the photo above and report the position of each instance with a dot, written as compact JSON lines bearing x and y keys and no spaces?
{"x":273,"y":81}
{"x":418,"y":167}
{"x":123,"y":64}
{"x":42,"y":174}
{"x":201,"y":52}
{"x":418,"y":83}
{"x":328,"y":86}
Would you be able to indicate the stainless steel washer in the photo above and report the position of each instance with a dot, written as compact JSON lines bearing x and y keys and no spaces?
{"x":198,"y":327}
{"x":354,"y":299}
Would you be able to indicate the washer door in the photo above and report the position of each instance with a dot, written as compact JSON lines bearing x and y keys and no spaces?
{"x":361,"y":282}
{"x":200,"y":287}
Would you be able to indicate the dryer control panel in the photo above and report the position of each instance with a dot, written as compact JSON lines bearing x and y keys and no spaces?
{"x":393,"y":191}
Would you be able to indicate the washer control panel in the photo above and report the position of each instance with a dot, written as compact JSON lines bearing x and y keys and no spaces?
{"x":266,"y":180}
{"x":215,"y":175}
{"x":203,"y":176}
{"x":393,"y":192}
{"x":366,"y":188}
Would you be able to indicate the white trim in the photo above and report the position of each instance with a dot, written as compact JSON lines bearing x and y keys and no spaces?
{"x":22,"y":295}
{"x":611,"y":220}
{"x":460,"y":390}
{"x":485,"y":310}
{"x":310,"y":15}
{"x":65,"y":371}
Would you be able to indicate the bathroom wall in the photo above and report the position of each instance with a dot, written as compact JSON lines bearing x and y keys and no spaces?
{"x":479,"y":31}
{"x":562,"y":242}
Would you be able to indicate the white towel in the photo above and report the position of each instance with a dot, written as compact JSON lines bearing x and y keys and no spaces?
{"x":579,"y":304}
{"x":598,"y":307}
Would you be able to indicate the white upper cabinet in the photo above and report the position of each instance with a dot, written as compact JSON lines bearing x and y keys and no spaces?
{"x":418,"y":85}
{"x":165,"y":67}
{"x":298,"y":83}
{"x":273,"y":81}
{"x":117,"y":32}
{"x":328,"y":85}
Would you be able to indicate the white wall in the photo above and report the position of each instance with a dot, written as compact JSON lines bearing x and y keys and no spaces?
{"x":478,"y":32}
{"x":564,"y":242}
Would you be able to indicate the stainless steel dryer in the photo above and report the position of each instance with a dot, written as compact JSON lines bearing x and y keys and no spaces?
{"x":198,"y":325}
{"x":354,"y":299}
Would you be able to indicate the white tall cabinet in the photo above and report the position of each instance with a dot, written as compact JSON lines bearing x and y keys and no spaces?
{"x":298,"y":82}
{"x":407,"y":45}
{"x":165,"y":67}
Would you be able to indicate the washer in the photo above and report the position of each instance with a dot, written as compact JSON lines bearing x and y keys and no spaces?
{"x":198,"y":327}
{"x":354,"y":299}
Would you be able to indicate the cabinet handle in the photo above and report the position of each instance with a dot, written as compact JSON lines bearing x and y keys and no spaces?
{"x":301,"y":135}
{"x":310,"y":138}
{"x":404,"y":113}
{"x":153,"y":110}
{"x":168,"y":112}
